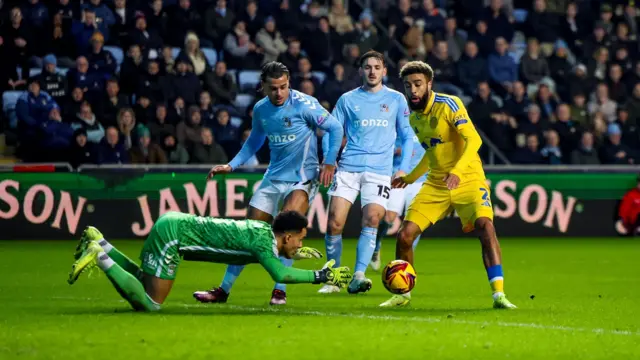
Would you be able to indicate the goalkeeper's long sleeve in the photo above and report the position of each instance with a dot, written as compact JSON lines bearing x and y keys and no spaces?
{"x":290,"y":275}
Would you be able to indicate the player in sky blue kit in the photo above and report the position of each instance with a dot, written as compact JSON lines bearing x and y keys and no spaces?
{"x":399,"y":199}
{"x":372,"y":116}
{"x":289,"y":119}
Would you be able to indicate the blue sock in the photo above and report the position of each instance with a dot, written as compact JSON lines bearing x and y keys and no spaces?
{"x":333,"y":245}
{"x":286,"y":262}
{"x":230,"y":277}
{"x":366,"y":245}
{"x":382,"y":232}
{"x":416,"y":241}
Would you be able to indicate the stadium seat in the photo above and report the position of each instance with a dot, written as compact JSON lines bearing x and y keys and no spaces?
{"x":236,"y":121}
{"x":520,"y":15}
{"x":211,"y":55}
{"x":117,"y":54}
{"x":248,"y":80}
{"x":175,"y":52}
{"x":34,"y":72}
{"x":243,"y":101}
{"x":9,"y":100}
{"x":320,"y":75}
{"x":234,"y":74}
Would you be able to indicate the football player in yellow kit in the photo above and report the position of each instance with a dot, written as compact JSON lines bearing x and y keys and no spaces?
{"x":456,"y":179}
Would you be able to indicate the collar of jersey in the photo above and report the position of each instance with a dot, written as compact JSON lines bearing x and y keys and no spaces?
{"x":430,"y":102}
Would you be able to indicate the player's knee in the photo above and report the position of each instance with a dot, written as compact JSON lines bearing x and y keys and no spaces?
{"x":335,"y":227}
{"x":389,"y":217}
{"x":405,"y":238}
{"x":371,"y":220}
{"x":484,"y":227}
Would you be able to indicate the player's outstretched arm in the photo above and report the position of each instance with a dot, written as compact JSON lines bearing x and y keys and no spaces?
{"x":415,"y":174}
{"x":249,"y":148}
{"x":403,"y":127}
{"x":289,"y":275}
{"x":331,"y":140}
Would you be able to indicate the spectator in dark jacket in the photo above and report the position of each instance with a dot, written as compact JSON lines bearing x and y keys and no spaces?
{"x":586,"y":153}
{"x":534,"y":124}
{"x":146,"y":151}
{"x":222,"y":85}
{"x":472,"y":68}
{"x":630,"y":129}
{"x":176,"y":153}
{"x":444,"y":70}
{"x":560,"y":68}
{"x":159,"y":127}
{"x":616,"y":152}
{"x":124,"y":21}
{"x":183,"y":18}
{"x":188,"y":131}
{"x":52,"y":82}
{"x":617,"y":88}
{"x":633,"y":104}
{"x":291,"y":57}
{"x":207,"y":151}
{"x":226,"y":134}
{"x":579,"y":82}
{"x":322,"y":46}
{"x":503,"y":70}
{"x":55,"y":137}
{"x":131,"y":70}
{"x":479,"y":35}
{"x":148,"y":39}
{"x":218,"y":21}
{"x":517,"y":103}
{"x":60,"y":42}
{"x":568,"y":130}
{"x":529,"y":154}
{"x":207,"y":111}
{"x":111,"y":104}
{"x":82,"y":151}
{"x":336,"y":85}
{"x":36,"y":13}
{"x":252,"y":18}
{"x":498,"y":21}
{"x":92,"y":84}
{"x":32,"y":110}
{"x":183,"y":84}
{"x":541,"y":24}
{"x":533,"y":65}
{"x":153,"y":84}
{"x":112,"y":151}
{"x":84,"y":29}
{"x":304,"y":73}
{"x":104,"y":15}
{"x":101,"y":61}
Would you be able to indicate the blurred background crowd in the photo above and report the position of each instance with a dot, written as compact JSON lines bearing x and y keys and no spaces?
{"x":174,"y":81}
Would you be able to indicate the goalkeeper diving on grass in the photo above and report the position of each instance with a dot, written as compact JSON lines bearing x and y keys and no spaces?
{"x":178,"y":235}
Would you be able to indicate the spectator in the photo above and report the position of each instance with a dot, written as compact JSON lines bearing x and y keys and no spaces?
{"x":630,"y":130}
{"x":148,"y":40}
{"x":253,"y":160}
{"x":241,"y":53}
{"x":101,"y":61}
{"x":432,"y":16}
{"x":218,"y":21}
{"x":270,"y":40}
{"x":633,"y":104}
{"x":131,"y":70}
{"x":104,"y":16}
{"x":542,"y":25}
{"x":177,"y":112}
{"x":323,"y":46}
{"x":207,"y":151}
{"x":167,"y":62}
{"x":503,"y":71}
{"x":81,"y":151}
{"x":289,"y":20}
{"x":222,"y":85}
{"x":72,"y":106}
{"x":533,"y":65}
{"x":68,"y":10}
{"x":252,"y":18}
{"x":617,"y":88}
{"x":336,"y":85}
{"x":226,"y":134}
{"x":307,"y":88}
{"x":579,"y":82}
{"x":19,"y":40}
{"x":600,"y":102}
{"x":152,"y":84}
{"x":339,"y":19}
{"x":84,"y":29}
{"x":112,"y":151}
{"x":54,"y":84}
{"x":126,"y":124}
{"x":193,"y":56}
{"x":622,"y":58}
{"x":86,"y":120}
{"x":37,"y":15}
{"x":32,"y":110}
{"x":482,"y":108}
{"x":366,"y":34}
{"x":454,"y":38}
{"x":304,"y":73}
{"x":146,"y":151}
{"x":597,"y":40}
{"x":616,"y":152}
{"x":597,"y":66}
{"x":124,"y":20}
{"x":159,"y":127}
{"x":291,"y":57}
{"x":585,"y":153}
{"x":61,"y":44}
{"x":207,"y":113}
{"x":624,"y":40}
{"x":529,"y":154}
{"x":534,"y":124}
{"x":182,"y":20}
{"x":55,"y":137}
{"x":568,"y":131}
{"x":571,"y":28}
{"x":560,"y":69}
{"x":184,"y":84}
{"x":472,"y":68}
{"x":552,"y":153}
{"x":547,"y":101}
{"x":517,"y":103}
{"x":400,"y":19}
{"x":158,"y":18}
{"x":606,"y":14}
{"x":110,"y":105}
{"x":599,"y":129}
{"x":144,"y":109}
{"x":176,"y":153}
{"x":444,"y":70}
{"x":91,"y":84}
{"x":188,"y":131}
{"x":498,"y":22}
{"x":579,"y":111}
{"x":479,"y":35}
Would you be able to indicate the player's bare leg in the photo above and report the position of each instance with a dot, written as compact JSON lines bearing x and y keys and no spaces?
{"x":221,"y":294}
{"x":158,"y":289}
{"x":408,"y":233}
{"x":338,"y":211}
{"x":297,"y":200}
{"x":371,"y":216}
{"x":492,"y":258}
{"x":389,"y":218}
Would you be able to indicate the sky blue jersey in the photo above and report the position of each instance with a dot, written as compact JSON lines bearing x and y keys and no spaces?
{"x":291,"y":130}
{"x":416,"y":156}
{"x":371,"y":122}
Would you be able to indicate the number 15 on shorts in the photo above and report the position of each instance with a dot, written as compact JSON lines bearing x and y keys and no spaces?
{"x":383,"y":191}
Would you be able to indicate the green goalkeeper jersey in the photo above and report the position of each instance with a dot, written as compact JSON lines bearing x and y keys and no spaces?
{"x":235,"y":242}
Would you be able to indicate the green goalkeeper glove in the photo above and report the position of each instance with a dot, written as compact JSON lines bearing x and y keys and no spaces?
{"x":339,"y":277}
{"x":307,"y":253}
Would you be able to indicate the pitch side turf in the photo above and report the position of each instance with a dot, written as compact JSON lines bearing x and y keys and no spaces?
{"x":577,"y":298}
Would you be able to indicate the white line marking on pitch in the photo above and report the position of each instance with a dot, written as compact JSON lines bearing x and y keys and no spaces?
{"x":397,"y":318}
{"x":429,"y":320}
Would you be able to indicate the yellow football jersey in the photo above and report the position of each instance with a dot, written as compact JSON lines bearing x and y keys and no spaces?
{"x":451,"y":141}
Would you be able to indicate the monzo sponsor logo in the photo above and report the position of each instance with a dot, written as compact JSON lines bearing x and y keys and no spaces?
{"x":280,"y":139}
{"x":372,"y":122}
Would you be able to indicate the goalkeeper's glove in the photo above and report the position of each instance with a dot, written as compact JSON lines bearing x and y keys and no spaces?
{"x":339,"y":277}
{"x":307,"y":253}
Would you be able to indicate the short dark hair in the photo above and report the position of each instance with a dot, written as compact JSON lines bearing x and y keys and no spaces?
{"x":371,"y":54}
{"x":273,"y":70}
{"x":417,"y":67}
{"x":289,"y":221}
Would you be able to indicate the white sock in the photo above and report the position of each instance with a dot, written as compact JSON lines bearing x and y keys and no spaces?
{"x":358,"y":275}
{"x":104,"y":261}
{"x":497,"y":294}
{"x":105,"y":245}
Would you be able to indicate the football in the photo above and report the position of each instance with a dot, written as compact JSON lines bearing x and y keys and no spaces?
{"x":399,"y":277}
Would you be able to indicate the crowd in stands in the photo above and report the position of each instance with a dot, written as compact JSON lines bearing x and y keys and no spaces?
{"x":173,"y":81}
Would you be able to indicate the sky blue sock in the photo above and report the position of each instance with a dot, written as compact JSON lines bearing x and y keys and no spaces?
{"x":333,"y":245}
{"x":366,"y":245}
{"x":416,"y":241}
{"x":230,"y":277}
{"x":286,"y":262}
{"x":382,"y":232}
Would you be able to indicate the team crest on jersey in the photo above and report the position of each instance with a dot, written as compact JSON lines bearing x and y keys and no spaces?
{"x":407,"y":112}
{"x":433,"y":122}
{"x":322,"y":118}
{"x":287,"y":122}
{"x":384,"y":108}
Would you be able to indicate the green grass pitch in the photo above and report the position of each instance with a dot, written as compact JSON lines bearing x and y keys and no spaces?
{"x":577,"y":298}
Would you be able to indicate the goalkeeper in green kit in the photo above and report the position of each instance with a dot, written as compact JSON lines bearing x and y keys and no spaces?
{"x":177,"y":235}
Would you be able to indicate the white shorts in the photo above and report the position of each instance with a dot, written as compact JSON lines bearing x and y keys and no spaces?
{"x":401,"y":198}
{"x":270,"y":195}
{"x":373,"y":188}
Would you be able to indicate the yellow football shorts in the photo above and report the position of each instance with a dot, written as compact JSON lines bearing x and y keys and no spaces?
{"x":471,"y":200}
